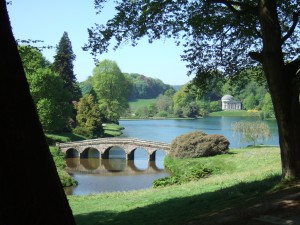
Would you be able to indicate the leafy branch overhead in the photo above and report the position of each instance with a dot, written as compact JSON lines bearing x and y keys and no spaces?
{"x":216,"y":34}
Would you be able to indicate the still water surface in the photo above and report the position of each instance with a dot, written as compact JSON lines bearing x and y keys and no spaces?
{"x":117,"y":174}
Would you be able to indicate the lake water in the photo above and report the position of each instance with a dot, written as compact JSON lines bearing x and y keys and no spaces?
{"x":167,"y":130}
{"x":117,"y":174}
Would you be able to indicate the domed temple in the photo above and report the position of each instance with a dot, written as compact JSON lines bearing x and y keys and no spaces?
{"x":228,"y":103}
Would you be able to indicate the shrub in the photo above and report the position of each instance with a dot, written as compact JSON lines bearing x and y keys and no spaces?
{"x":52,"y":139}
{"x":198,"y":144}
{"x":166,"y":181}
{"x":66,"y":179}
{"x":184,"y":170}
{"x":60,"y":163}
{"x":84,"y":131}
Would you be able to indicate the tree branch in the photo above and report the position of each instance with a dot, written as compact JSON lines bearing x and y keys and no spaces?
{"x":292,"y":28}
{"x":244,"y":8}
{"x":257,"y":56}
{"x":294,"y":66}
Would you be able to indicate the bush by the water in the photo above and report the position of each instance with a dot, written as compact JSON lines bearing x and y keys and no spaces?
{"x":184,"y":170}
{"x":198,"y":144}
{"x":60,"y":163}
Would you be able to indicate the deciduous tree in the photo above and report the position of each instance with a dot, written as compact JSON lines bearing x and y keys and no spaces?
{"x":51,"y":98}
{"x":229,"y":36}
{"x":47,"y":90}
{"x":112,"y":89}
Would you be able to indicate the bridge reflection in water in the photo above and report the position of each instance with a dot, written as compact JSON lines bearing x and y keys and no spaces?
{"x":98,"y":175}
{"x":113,"y":166}
{"x":116,"y":164}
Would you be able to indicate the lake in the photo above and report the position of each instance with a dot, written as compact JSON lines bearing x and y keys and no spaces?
{"x":117,"y":174}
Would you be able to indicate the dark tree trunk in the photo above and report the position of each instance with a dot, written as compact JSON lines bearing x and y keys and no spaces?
{"x":30,"y":189}
{"x":283,"y":88}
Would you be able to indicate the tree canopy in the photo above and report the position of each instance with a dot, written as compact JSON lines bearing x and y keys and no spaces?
{"x":47,"y":90}
{"x":111,"y":88}
{"x":145,"y":87}
{"x":216,"y":34}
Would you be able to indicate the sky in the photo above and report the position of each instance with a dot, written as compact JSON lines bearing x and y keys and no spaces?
{"x":47,"y":21}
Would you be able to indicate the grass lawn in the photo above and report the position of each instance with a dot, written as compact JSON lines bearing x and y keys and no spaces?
{"x":134,"y":105}
{"x":112,"y":130}
{"x":238,"y":177}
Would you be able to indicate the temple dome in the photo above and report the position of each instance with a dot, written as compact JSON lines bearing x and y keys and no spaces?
{"x":227,"y":98}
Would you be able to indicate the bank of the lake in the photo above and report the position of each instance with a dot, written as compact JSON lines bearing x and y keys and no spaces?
{"x":239,"y":176}
{"x":155,"y":130}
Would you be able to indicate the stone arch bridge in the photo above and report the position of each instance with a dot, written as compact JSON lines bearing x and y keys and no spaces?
{"x":103,"y":145}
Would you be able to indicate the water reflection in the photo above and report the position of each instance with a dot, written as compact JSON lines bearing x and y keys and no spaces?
{"x":96,"y":175}
{"x":113,"y":166}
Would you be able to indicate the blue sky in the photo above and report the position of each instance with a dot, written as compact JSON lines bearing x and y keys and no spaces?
{"x":47,"y":20}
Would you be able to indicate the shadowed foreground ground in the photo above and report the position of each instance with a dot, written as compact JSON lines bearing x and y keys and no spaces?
{"x":280,"y":207}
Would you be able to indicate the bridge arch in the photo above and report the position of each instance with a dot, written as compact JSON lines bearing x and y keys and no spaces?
{"x":113,"y":151}
{"x":72,"y":153}
{"x":156,"y":153}
{"x":90,"y":152}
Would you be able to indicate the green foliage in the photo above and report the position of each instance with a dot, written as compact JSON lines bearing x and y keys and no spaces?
{"x":58,"y":157}
{"x":112,"y":89}
{"x":251,"y":131}
{"x":60,"y":164}
{"x":215,"y":106}
{"x":183,"y":97}
{"x":191,"y":110}
{"x":86,"y":86}
{"x":165,"y":103}
{"x":267,"y":107}
{"x":63,"y":65}
{"x":51,"y":100}
{"x":166,"y":181}
{"x":47,"y":91}
{"x":88,"y":117}
{"x":63,"y":137}
{"x":52,"y":139}
{"x":32,"y":59}
{"x":145,"y":87}
{"x":198,"y":144}
{"x":249,"y":102}
{"x":184,"y":171}
{"x":84,"y":131}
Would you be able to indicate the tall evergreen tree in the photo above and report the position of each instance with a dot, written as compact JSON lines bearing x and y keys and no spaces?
{"x":63,"y":64}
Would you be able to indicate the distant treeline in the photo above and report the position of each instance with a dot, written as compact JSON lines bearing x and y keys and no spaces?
{"x":143,"y":87}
